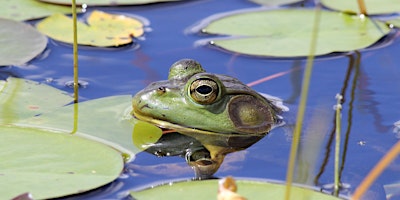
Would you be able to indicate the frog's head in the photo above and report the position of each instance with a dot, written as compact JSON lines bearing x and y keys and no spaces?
{"x":195,"y":102}
{"x":219,"y":111}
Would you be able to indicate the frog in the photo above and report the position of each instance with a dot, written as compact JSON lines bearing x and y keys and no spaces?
{"x":220,"y":111}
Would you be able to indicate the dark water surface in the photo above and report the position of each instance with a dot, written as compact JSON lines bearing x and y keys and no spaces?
{"x":371,"y":89}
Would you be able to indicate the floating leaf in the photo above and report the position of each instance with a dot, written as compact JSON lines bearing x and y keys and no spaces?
{"x":373,"y":6}
{"x":29,"y":9}
{"x":107,"y":2}
{"x":207,"y":189}
{"x":49,"y":165}
{"x":145,"y":134}
{"x":288,"y":32}
{"x":275,"y":2}
{"x":394,"y":22}
{"x":19,"y":42}
{"x":106,"y":120}
{"x":103,"y":29}
{"x":21,"y":99}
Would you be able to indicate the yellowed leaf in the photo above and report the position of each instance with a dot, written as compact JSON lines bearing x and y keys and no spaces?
{"x":102,"y":29}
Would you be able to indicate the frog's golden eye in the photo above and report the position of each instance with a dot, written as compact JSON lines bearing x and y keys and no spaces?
{"x":204,"y":90}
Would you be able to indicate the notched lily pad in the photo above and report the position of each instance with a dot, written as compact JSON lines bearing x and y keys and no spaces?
{"x":106,"y":2}
{"x":207,"y":189}
{"x":19,"y":42}
{"x":288,"y":32}
{"x":275,"y":2}
{"x":29,"y":9}
{"x":49,"y":165}
{"x":374,"y":7}
{"x":21,"y":99}
{"x":107,"y":120}
{"x":102,"y":29}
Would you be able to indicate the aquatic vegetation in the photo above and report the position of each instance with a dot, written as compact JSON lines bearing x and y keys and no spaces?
{"x":107,"y":124}
{"x":21,"y":10}
{"x":23,"y":42}
{"x":102,"y":29}
{"x":274,"y":33}
{"x":106,"y":2}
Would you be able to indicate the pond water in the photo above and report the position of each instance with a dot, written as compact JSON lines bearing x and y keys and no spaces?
{"x":371,"y":90}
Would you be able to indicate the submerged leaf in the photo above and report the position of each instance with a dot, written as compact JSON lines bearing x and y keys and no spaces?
{"x":372,"y":6}
{"x":107,"y":2}
{"x":287,"y":32}
{"x":29,"y":9}
{"x":49,"y":165}
{"x":103,"y":29}
{"x":19,"y":42}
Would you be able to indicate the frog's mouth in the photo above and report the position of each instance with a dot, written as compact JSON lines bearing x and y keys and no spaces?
{"x":168,"y":127}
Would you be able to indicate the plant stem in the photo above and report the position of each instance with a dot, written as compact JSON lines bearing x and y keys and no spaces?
{"x":362,"y":8}
{"x":302,"y":104}
{"x":337,"y":146}
{"x":75,"y":51}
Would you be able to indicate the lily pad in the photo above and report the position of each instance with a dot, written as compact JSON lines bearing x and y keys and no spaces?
{"x":275,"y":2}
{"x":288,"y":32}
{"x":394,"y":22}
{"x":207,"y":189}
{"x":49,"y":165}
{"x":21,"y":99}
{"x":374,"y":7}
{"x":106,"y":2}
{"x":20,"y":42}
{"x":103,"y":29}
{"x":107,"y":120}
{"x":29,"y":9}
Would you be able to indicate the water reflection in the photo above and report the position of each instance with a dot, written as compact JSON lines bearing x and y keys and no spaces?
{"x":204,"y":154}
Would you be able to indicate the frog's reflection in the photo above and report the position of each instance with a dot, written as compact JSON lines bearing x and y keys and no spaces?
{"x":206,"y":155}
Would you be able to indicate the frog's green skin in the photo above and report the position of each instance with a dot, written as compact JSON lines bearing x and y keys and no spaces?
{"x":196,"y":101}
{"x":221,"y":112}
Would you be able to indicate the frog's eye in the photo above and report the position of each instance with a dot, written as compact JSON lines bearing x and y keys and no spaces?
{"x":204,"y":91}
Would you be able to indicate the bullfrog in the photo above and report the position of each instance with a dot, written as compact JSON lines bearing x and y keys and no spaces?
{"x":221,"y":112}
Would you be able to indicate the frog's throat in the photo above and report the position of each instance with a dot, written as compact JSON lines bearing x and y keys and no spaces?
{"x":182,"y":129}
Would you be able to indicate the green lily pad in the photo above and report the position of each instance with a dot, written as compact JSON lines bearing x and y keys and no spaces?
{"x":49,"y":165}
{"x":275,"y":2}
{"x":207,"y":189}
{"x":29,"y":9}
{"x":106,"y":2}
{"x":373,"y":7}
{"x":394,"y":22}
{"x":21,"y":99}
{"x":107,"y":120}
{"x":20,"y":42}
{"x":103,"y":29}
{"x":288,"y":32}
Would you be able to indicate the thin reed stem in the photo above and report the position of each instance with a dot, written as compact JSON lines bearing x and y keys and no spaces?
{"x":362,"y":7}
{"x":75,"y":51}
{"x":337,"y":146}
{"x":302,"y":104}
